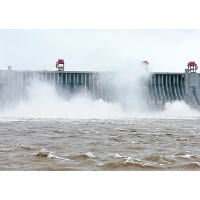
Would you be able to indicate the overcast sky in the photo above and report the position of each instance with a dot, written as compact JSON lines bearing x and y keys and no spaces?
{"x":166,"y":50}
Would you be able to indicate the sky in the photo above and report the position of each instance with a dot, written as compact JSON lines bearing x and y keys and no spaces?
{"x":99,"y":50}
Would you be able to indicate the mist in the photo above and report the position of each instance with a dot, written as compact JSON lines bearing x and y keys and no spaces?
{"x":43,"y":101}
{"x":124,"y":95}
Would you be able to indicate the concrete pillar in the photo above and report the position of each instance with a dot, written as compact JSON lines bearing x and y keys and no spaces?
{"x":163,"y":89}
{"x":167,"y":88}
{"x":74,"y":80}
{"x":85,"y":82}
{"x":174,"y":87}
{"x":93,"y":90}
{"x":181,"y":83}
{"x":60,"y":78}
{"x":154,"y":87}
{"x":160,"y":90}
{"x":69,"y":80}
{"x":177,"y":87}
{"x":192,"y":88}
{"x":66,"y":79}
{"x":89,"y":82}
{"x":187,"y":91}
{"x":170,"y":88}
{"x":82,"y":80}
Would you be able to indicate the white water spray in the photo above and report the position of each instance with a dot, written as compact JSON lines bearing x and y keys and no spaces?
{"x":44,"y":102}
{"x":127,"y":82}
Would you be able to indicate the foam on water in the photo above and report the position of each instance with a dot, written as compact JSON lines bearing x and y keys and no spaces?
{"x":178,"y":109}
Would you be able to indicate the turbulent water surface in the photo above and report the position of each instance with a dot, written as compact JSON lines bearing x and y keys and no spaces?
{"x":46,"y":132}
{"x":99,"y":144}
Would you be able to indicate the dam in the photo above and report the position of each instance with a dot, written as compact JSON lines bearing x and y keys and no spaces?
{"x":157,"y":89}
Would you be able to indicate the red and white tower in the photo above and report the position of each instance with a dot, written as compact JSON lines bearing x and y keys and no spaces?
{"x":60,"y":65}
{"x":192,"y":67}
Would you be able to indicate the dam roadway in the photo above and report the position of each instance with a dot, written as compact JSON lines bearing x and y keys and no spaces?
{"x":158,"y":88}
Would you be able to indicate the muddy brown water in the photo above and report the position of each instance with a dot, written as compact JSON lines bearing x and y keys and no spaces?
{"x":106,"y":144}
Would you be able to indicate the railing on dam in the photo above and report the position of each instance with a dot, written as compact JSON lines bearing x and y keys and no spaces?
{"x":158,"y":88}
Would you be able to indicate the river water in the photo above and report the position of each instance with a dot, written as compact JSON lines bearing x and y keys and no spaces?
{"x":99,"y":144}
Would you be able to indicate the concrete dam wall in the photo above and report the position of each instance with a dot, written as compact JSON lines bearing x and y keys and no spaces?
{"x":157,"y":89}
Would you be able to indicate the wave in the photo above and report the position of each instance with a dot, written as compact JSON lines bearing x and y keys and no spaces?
{"x":82,"y":156}
{"x":43,"y":153}
{"x":129,"y":165}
